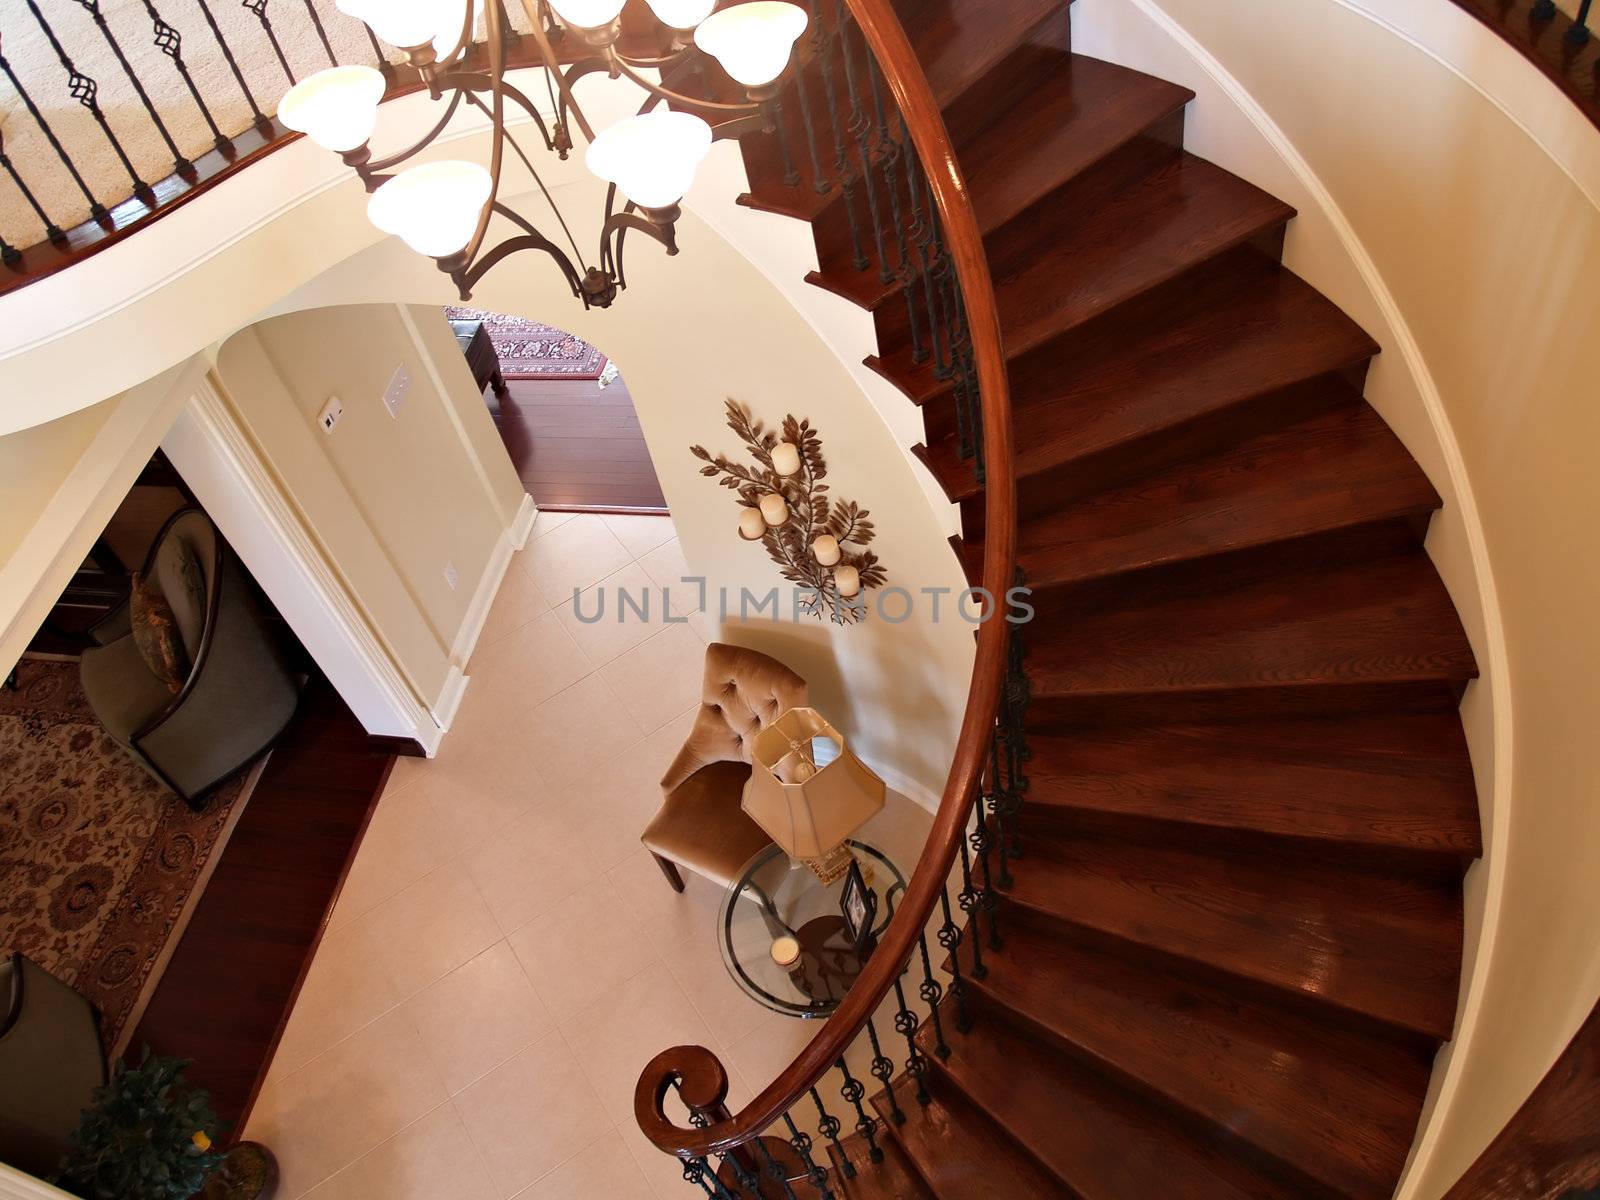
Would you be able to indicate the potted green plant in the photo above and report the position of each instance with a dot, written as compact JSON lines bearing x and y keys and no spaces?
{"x":148,"y":1136}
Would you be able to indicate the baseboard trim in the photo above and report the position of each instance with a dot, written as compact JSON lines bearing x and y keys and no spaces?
{"x":522,"y":524}
{"x":384,"y":743}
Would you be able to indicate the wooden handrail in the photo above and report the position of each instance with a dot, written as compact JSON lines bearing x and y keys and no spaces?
{"x":692,"y":1067}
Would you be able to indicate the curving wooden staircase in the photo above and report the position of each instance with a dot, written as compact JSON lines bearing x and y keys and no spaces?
{"x":1233,"y":944}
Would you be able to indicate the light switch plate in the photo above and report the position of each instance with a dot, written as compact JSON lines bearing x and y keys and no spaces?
{"x":330,"y":414}
{"x":394,"y":395}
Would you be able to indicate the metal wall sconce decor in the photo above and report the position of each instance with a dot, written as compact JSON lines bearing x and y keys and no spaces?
{"x":819,"y":542}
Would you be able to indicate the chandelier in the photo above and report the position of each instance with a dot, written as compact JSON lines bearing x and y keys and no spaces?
{"x":443,"y":208}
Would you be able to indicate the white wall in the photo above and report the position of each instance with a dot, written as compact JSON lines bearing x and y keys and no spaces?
{"x":393,"y":499}
{"x":1448,"y":199}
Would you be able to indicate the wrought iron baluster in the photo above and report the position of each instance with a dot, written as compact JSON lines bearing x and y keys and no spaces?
{"x":384,"y":65}
{"x":700,"y":1118}
{"x":924,"y":221}
{"x":1578,"y":34}
{"x":906,"y":1024}
{"x":801,"y":1141}
{"x":945,"y":300}
{"x":259,"y":8}
{"x":890,"y":152}
{"x":858,"y":127}
{"x":883,"y":1072}
{"x":96,"y":209}
{"x":819,"y":181}
{"x":9,"y":254}
{"x":261,"y":121}
{"x":51,"y":229}
{"x":920,"y":238}
{"x":932,"y":991}
{"x":322,"y":34}
{"x":829,"y":1126}
{"x":950,"y":940}
{"x":773,"y":1169}
{"x":86,"y":92}
{"x":853,"y":1091}
{"x":698,"y":1170}
{"x":982,"y":844}
{"x":181,"y":164}
{"x":996,"y":798}
{"x":841,"y":162}
{"x":1014,"y":698}
{"x":791,"y":176}
{"x":972,"y":906}
{"x":170,"y":42}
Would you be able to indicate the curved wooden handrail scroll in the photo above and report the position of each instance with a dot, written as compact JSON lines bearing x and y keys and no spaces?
{"x":688,"y":1066}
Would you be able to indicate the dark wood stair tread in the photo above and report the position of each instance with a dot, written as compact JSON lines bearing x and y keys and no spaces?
{"x":1310,"y":1104}
{"x":1329,"y":472}
{"x":959,"y":1153}
{"x":1099,"y":1138}
{"x":1057,"y":266}
{"x":1342,"y":940}
{"x":958,"y":43}
{"x":1248,"y":329}
{"x":892,"y":1179}
{"x":1389,"y":622}
{"x":1399,"y":782}
{"x":1073,"y":118}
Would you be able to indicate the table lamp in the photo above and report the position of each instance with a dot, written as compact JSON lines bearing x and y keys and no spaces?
{"x":809,"y":792}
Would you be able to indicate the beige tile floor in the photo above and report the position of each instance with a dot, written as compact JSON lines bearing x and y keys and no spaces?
{"x":505,"y":956}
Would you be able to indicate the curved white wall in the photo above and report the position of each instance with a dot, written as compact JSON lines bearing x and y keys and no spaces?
{"x":1450,"y":201}
{"x":291,"y":233}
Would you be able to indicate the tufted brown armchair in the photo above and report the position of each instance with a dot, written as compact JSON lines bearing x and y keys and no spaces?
{"x":700,"y":824}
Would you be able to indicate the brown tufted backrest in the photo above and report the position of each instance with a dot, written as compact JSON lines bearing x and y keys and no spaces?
{"x":743,"y":692}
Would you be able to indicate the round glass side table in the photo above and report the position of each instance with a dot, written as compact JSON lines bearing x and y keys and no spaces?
{"x":775,"y":896}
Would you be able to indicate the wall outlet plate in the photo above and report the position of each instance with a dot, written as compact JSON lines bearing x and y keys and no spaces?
{"x":451,"y":576}
{"x":330,"y":414}
{"x":395,"y":394}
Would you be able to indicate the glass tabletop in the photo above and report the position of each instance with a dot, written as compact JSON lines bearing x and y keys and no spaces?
{"x":776,"y":896}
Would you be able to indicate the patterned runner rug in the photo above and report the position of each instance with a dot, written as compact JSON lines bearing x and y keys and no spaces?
{"x":533,"y":350}
{"x":100,"y":866}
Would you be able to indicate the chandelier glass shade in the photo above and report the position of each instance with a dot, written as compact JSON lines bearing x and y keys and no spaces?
{"x":432,"y":208}
{"x":752,"y":41}
{"x":337,"y":108}
{"x":444,"y":209}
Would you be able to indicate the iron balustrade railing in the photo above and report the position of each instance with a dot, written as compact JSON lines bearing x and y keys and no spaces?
{"x":870,"y":132}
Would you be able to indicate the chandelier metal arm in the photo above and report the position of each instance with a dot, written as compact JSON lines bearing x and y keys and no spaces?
{"x":468,"y":82}
{"x":655,"y":89}
{"x":376,"y":165}
{"x":552,"y":64}
{"x":497,"y":85}
{"x":530,"y":239}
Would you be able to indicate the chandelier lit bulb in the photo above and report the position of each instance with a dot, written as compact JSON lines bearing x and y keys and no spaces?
{"x":753,"y":41}
{"x":337,"y":108}
{"x":445,"y":209}
{"x":432,"y":208}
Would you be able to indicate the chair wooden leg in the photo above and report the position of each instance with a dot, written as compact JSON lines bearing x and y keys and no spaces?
{"x":670,"y":870}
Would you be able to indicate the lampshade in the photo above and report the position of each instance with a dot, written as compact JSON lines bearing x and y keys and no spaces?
{"x":337,"y":108}
{"x":433,"y":208}
{"x":653,"y":157}
{"x":453,"y":14}
{"x":681,"y":14}
{"x":752,"y":41}
{"x":806,"y":788}
{"x":402,"y":23}
{"x":587,"y":14}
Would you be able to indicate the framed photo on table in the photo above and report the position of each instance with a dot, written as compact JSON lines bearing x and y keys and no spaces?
{"x":859,"y":905}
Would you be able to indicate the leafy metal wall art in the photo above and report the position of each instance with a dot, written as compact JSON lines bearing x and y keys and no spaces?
{"x":819,"y":543}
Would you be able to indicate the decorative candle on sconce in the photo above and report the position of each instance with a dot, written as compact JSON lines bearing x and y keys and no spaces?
{"x":751,"y":524}
{"x":825,"y":549}
{"x":774,"y":510}
{"x":786,"y":458}
{"x":847,"y":579}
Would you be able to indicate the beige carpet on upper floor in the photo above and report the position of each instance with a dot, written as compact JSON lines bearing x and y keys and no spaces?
{"x":36,"y":64}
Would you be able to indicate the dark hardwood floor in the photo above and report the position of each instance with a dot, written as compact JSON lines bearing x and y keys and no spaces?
{"x":577,"y":445}
{"x":224,"y":996}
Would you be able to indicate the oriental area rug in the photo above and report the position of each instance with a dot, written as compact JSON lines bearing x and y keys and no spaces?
{"x":533,"y":350}
{"x":100,"y":865}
